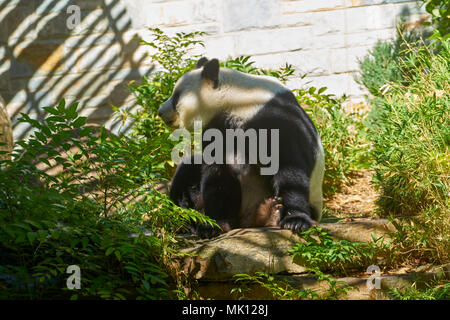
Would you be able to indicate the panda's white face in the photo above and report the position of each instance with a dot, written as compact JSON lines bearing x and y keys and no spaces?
{"x":192,"y":99}
{"x":202,"y":93}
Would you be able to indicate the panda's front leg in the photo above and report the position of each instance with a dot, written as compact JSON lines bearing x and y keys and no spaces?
{"x":292,"y":187}
{"x":221,"y":193}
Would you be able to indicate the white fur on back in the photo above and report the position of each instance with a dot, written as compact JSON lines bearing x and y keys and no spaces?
{"x":241,"y":95}
{"x":316,"y":180}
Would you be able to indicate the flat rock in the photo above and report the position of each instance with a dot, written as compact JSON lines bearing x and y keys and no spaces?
{"x":265,"y":249}
{"x":243,"y":251}
{"x":360,"y":229}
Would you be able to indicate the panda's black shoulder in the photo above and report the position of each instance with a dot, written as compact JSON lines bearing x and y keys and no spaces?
{"x":282,"y":110}
{"x":284,"y":102}
{"x":284,"y":97}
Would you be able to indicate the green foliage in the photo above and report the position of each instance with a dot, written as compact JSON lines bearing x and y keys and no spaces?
{"x":342,"y":133}
{"x":281,"y":289}
{"x":326,"y":257}
{"x":410,"y":131}
{"x":423,"y":237}
{"x":172,"y":59}
{"x":171,"y":56}
{"x":379,"y":67}
{"x":278,"y":289}
{"x":244,"y":64}
{"x":320,"y":252}
{"x":92,"y":214}
{"x":440,"y":17}
{"x":411,"y":137}
{"x":382,"y":65}
{"x":440,"y":290}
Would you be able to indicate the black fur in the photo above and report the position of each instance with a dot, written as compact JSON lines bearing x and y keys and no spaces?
{"x":211,"y":189}
{"x":201,"y":62}
{"x":215,"y":189}
{"x":298,"y":147}
{"x":211,"y":71}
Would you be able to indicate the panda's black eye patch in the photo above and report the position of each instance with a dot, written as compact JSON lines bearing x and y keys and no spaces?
{"x":175,"y":98}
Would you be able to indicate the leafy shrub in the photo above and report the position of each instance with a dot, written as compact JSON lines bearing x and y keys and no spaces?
{"x":341,"y":132}
{"x":411,"y":137}
{"x":321,"y":253}
{"x":244,"y":64}
{"x":92,"y":214}
{"x":325,"y":257}
{"x":382,"y":64}
{"x":440,"y":17}
{"x":278,"y":289}
{"x":440,"y":290}
{"x":379,"y":67}
{"x":281,"y":289}
{"x":172,"y":57}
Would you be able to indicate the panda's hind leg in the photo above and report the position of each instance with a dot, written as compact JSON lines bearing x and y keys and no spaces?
{"x":221,"y":193}
{"x":185,"y":186}
{"x":267,"y":214}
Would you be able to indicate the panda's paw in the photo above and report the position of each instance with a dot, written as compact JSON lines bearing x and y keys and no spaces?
{"x":297,"y":222}
{"x":206,"y":231}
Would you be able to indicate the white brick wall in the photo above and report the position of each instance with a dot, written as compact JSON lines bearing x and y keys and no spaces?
{"x":41,"y":60}
{"x":323,"y":38}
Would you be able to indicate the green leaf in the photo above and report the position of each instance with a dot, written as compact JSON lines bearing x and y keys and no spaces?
{"x":54,"y":119}
{"x":32,"y":236}
{"x":55,"y":234}
{"x":85,"y":132}
{"x":22,"y":225}
{"x":46,"y":130}
{"x":40,"y":136}
{"x":118,"y":255}
{"x":33,"y":223}
{"x":146,"y":285}
{"x":61,"y":106}
{"x":109,"y":251}
{"x":79,"y":122}
{"x":66,"y":146}
{"x":85,"y":242}
{"x":436,"y":13}
{"x":51,"y":110}
{"x":71,"y":112}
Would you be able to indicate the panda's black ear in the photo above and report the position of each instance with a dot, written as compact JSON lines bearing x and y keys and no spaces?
{"x":201,"y":62}
{"x":211,"y":71}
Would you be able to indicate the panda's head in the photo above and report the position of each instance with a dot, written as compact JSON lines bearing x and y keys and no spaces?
{"x":204,"y":92}
{"x":193,"y":96}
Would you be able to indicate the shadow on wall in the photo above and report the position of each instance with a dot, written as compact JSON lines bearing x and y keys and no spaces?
{"x":47,"y":54}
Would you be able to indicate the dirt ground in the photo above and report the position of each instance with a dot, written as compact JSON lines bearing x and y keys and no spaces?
{"x":357,"y":199}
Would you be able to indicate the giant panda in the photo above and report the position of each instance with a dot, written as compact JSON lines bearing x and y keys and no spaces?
{"x":238,"y":195}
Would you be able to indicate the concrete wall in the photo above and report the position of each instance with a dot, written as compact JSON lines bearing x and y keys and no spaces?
{"x":43,"y":60}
